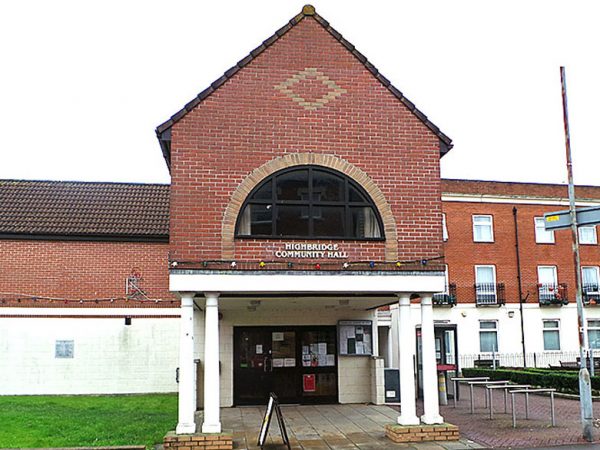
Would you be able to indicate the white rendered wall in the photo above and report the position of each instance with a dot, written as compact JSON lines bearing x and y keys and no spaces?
{"x":468,"y":316}
{"x":354,"y":373}
{"x":109,"y":357}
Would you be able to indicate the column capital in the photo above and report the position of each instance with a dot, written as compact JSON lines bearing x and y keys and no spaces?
{"x":187,"y":299}
{"x":426,"y":299}
{"x":212,"y":298}
{"x":403,"y":298}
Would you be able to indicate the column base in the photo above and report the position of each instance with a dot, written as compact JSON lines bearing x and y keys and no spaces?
{"x":422,"y":433}
{"x":199,"y":441}
{"x":185,"y":428}
{"x":408,"y":420}
{"x":432,"y":420}
{"x":211,"y":427}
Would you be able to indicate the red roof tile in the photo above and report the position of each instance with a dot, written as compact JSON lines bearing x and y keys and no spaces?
{"x":58,"y":208}
{"x":502,"y":188}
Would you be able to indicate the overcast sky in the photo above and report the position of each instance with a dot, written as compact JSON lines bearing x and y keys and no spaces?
{"x":84,"y":84}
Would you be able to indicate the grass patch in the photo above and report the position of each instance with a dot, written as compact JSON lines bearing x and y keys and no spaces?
{"x":74,"y":421}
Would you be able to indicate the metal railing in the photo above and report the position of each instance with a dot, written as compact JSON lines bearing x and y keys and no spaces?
{"x":591,"y":293}
{"x":552,"y":294}
{"x":545,"y":359}
{"x":446,"y":298}
{"x":489,"y":294}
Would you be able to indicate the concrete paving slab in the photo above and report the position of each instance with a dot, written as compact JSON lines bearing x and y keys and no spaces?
{"x":330,"y":427}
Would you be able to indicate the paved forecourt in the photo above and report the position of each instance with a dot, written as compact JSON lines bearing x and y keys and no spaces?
{"x":336,"y":427}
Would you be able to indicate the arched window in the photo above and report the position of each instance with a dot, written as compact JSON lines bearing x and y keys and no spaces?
{"x":309,"y":202}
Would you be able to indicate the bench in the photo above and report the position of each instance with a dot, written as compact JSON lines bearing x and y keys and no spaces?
{"x":569,"y":365}
{"x":485,"y":363}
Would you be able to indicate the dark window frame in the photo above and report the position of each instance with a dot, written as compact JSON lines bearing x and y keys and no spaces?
{"x":311,"y":204}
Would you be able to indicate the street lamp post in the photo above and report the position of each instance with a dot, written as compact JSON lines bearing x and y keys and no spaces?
{"x":585,"y":389}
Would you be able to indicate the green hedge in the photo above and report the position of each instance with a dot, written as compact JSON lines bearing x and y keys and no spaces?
{"x":565,"y":381}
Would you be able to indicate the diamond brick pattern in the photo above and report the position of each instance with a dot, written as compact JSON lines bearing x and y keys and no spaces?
{"x":290,"y":88}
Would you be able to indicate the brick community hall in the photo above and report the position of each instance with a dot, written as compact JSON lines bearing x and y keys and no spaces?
{"x":306,"y":244}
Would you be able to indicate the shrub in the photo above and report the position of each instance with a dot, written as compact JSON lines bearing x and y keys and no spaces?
{"x":564,"y":381}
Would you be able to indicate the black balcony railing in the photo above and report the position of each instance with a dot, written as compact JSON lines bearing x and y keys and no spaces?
{"x":553,"y":294}
{"x":489,"y":294}
{"x":591,"y":293}
{"x":446,"y":298}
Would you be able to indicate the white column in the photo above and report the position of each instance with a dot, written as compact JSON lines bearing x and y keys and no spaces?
{"x":390,"y":348}
{"x":375,"y":335}
{"x":430,"y":382}
{"x":187,"y":377}
{"x":406,"y":344}
{"x":212,"y":388}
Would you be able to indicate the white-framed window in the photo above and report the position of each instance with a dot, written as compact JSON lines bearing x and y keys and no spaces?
{"x":483,"y":229}
{"x":594,"y":333}
{"x":488,"y":336}
{"x":444,"y":228}
{"x":485,"y":285}
{"x":446,"y":297}
{"x":64,"y":349}
{"x":547,"y":284}
{"x":541,"y":235}
{"x":589,"y":276}
{"x":587,"y":235}
{"x":551,"y":334}
{"x":590,"y":281}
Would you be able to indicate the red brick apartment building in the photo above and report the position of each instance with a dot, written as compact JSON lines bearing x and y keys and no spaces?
{"x":305,"y":194}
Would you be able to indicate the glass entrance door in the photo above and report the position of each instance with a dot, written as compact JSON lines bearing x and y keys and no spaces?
{"x":446,"y":349}
{"x":299,"y":364}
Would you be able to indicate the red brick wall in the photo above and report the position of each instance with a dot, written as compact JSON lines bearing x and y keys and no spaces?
{"x":247,"y":122}
{"x":81,"y":270}
{"x":462,"y":254}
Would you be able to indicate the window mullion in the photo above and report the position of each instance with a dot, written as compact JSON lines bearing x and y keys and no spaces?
{"x":274,"y":209}
{"x":311,"y":232}
{"x":346,"y":200}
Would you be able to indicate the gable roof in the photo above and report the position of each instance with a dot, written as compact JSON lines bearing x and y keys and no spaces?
{"x":69,"y":209}
{"x":163,"y":131}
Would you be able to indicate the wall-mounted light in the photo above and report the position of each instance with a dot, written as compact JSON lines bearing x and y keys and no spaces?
{"x":511,"y":314}
{"x":463,"y":313}
{"x":127,"y":320}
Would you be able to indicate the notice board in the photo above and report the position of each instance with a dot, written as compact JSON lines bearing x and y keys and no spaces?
{"x":355,"y":337}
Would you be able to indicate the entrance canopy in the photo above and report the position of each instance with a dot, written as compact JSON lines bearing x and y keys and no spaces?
{"x":309,"y":283}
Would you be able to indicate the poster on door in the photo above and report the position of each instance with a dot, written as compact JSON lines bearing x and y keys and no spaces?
{"x":309,"y":383}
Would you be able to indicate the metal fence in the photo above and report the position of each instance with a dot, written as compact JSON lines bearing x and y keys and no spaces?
{"x":533,"y":359}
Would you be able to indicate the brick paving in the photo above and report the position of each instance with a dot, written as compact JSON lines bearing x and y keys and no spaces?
{"x":535,"y":432}
{"x":336,"y":427}
{"x":346,"y":427}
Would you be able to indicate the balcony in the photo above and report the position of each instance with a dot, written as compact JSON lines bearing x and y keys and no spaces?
{"x":552,"y":294}
{"x":489,"y":294}
{"x":591,"y":293}
{"x":446,"y":298}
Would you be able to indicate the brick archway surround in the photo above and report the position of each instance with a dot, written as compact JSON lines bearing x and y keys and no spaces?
{"x":299,"y":159}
